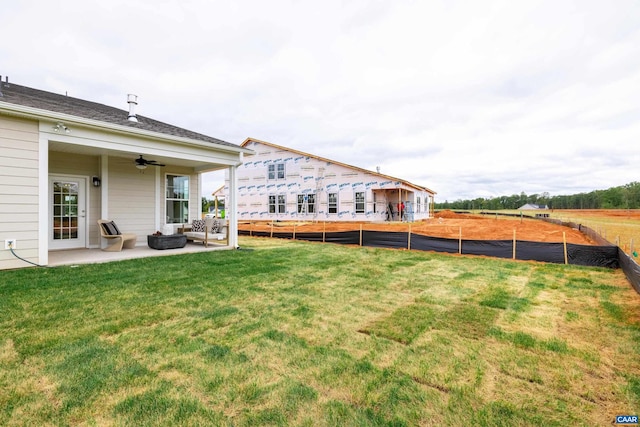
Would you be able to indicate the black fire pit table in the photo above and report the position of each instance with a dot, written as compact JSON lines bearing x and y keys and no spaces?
{"x":166,"y":241}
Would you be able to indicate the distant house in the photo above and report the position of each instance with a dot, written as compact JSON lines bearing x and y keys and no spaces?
{"x":280,"y":183}
{"x":531,"y":206}
{"x":67,"y":162}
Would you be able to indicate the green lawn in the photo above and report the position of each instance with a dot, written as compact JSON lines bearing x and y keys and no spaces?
{"x":295,"y":333}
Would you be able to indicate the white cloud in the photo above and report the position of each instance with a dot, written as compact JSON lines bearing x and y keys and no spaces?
{"x":471,"y":99}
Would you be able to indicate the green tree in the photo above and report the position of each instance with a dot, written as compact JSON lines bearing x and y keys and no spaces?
{"x":622,"y":197}
{"x":206,"y":203}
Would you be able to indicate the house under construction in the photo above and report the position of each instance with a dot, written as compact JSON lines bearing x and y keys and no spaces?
{"x":279,"y":183}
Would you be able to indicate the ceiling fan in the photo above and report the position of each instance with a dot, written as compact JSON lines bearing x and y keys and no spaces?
{"x":142,"y":163}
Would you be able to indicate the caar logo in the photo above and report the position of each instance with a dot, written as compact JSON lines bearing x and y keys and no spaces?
{"x":626,"y":419}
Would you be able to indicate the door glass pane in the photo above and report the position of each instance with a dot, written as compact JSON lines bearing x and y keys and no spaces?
{"x":65,"y":210}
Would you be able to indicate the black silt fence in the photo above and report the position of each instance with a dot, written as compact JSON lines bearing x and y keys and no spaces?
{"x":435,"y":244}
{"x":385,"y":239}
{"x":339,"y":237}
{"x":628,"y":265}
{"x":603,"y":257}
{"x":605,"y":254}
{"x":595,"y":256}
{"x":631,"y":269}
{"x":492,"y":248}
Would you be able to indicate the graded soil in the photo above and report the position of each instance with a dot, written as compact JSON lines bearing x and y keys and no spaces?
{"x":445,"y":224}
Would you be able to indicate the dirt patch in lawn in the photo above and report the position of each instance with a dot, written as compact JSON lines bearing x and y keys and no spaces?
{"x":446,"y":224}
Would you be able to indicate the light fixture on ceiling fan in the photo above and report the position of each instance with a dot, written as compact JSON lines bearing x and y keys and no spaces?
{"x":142,"y":163}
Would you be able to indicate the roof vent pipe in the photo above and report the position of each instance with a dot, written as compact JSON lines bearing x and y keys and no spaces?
{"x":133,"y":101}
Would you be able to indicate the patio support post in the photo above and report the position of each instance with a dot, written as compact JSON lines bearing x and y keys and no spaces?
{"x":231,"y":207}
{"x":43,"y":200}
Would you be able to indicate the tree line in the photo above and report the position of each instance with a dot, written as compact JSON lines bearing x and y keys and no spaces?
{"x":623,"y":197}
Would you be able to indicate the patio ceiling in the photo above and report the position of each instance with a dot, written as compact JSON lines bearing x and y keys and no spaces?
{"x":131,"y":156}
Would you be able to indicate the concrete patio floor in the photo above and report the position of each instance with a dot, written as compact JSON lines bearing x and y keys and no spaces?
{"x":93,"y":256}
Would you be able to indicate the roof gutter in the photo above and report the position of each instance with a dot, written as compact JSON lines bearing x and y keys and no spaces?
{"x":36,"y":113}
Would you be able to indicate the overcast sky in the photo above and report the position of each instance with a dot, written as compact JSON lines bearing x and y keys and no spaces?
{"x":468,"y":98}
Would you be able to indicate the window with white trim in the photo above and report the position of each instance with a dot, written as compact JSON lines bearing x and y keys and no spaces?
{"x":306,"y":203}
{"x":417,"y":204}
{"x":177,"y":199}
{"x":275,"y":171}
{"x":277,"y":203}
{"x":333,"y":203}
{"x":360,"y":202}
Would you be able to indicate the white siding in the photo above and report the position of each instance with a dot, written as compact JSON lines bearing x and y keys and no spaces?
{"x":18,"y":190}
{"x":132,"y":198}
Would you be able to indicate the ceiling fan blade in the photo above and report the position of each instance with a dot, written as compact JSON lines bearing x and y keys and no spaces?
{"x":154,"y":163}
{"x":144,"y":162}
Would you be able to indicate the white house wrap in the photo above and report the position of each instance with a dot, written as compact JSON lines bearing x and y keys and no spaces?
{"x":279,"y":183}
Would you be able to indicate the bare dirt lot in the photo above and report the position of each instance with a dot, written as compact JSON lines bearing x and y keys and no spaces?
{"x":445,"y":224}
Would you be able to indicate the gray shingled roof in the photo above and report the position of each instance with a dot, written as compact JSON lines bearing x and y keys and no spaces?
{"x":28,"y":97}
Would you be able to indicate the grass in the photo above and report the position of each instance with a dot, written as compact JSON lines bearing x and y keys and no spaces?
{"x":295,"y":333}
{"x":623,"y":230}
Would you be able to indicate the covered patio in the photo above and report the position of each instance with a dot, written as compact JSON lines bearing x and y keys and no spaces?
{"x":96,"y":256}
{"x":69,"y":164}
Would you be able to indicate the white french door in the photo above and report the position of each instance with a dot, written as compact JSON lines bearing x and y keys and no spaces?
{"x":67,"y":212}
